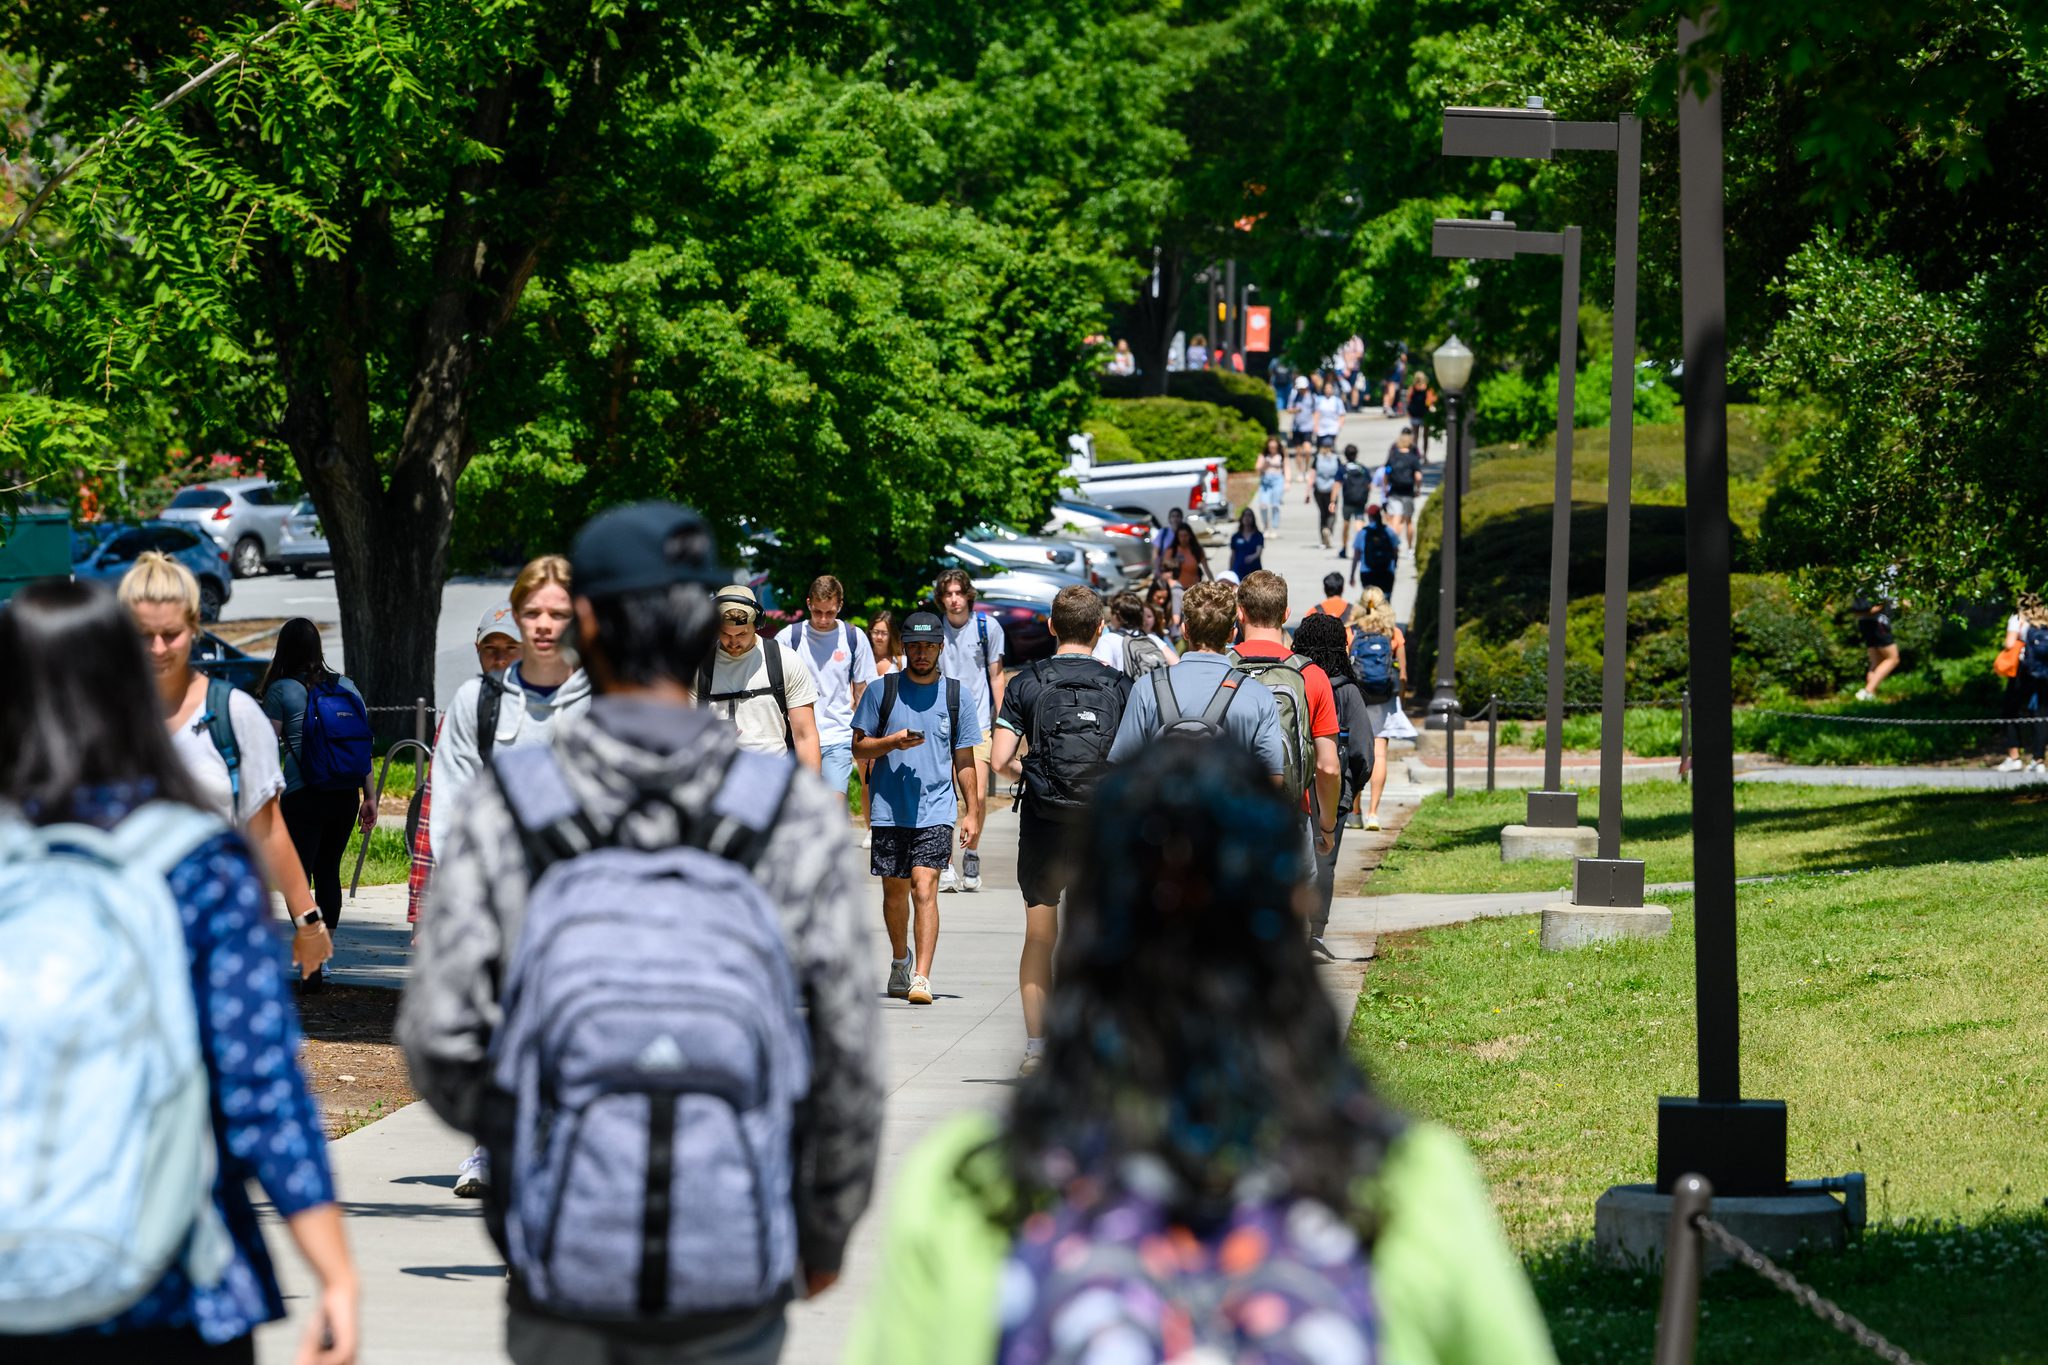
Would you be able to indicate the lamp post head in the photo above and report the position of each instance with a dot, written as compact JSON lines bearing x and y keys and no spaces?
{"x":1452,"y":362}
{"x":1525,"y":133}
{"x":1475,"y":239}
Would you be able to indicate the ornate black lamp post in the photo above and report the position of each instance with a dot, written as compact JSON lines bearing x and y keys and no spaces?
{"x":1452,"y":363}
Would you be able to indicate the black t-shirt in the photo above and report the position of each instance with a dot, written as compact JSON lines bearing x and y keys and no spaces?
{"x":1354,"y":723}
{"x":1402,"y":466}
{"x":1020,"y":707}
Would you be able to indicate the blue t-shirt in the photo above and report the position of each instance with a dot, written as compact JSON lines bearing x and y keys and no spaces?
{"x":1253,"y":720}
{"x":913,"y":788}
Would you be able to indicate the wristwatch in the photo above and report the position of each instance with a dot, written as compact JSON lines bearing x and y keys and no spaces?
{"x":307,"y":920}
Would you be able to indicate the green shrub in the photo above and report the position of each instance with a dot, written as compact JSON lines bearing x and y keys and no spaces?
{"x":1113,"y":445}
{"x":1178,"y":429}
{"x":1243,"y":393}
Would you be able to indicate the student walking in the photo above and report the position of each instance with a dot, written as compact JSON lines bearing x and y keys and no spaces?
{"x":1272,"y":483}
{"x":224,"y":740}
{"x":1404,"y":475}
{"x":920,"y":730}
{"x":325,"y":727}
{"x":2020,"y":691}
{"x":1199,"y":1170}
{"x":1187,"y":563}
{"x":1874,"y":628}
{"x":842,"y":666}
{"x":1323,"y":641}
{"x":1421,"y":402}
{"x":888,"y":657}
{"x":1125,"y":646}
{"x":1379,"y":659}
{"x":973,"y":657}
{"x":1248,"y":546}
{"x":765,"y":688}
{"x":1324,"y":490}
{"x":1065,"y":711}
{"x":1375,"y":553}
{"x":643,"y":935}
{"x":1357,"y":490}
{"x":1203,"y":696}
{"x":151,"y":1039}
{"x":1309,"y":724}
{"x":497,"y":649}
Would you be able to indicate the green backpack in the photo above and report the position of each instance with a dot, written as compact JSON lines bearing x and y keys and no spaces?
{"x":1289,"y":686}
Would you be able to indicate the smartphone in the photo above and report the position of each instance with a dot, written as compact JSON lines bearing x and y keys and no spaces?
{"x":916,"y":735}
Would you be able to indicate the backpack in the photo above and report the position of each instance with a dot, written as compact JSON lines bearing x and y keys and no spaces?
{"x":1173,"y":724}
{"x":1354,"y":751}
{"x":1357,"y":482}
{"x":893,"y":684}
{"x":644,"y":1082}
{"x":220,"y":728}
{"x":1372,"y":659}
{"x":1289,"y":686}
{"x":771,"y":656}
{"x":489,"y":694}
{"x":1402,"y":467}
{"x":1377,"y":549}
{"x":1274,"y":1281}
{"x":1074,"y":719}
{"x":1142,"y":654}
{"x":334,"y":740}
{"x":2035,"y":654}
{"x":106,"y":1133}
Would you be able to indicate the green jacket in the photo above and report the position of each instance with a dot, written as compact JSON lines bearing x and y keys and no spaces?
{"x":1450,"y":1291}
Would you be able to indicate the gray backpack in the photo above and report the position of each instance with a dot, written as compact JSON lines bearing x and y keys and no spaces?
{"x":653,"y":1053}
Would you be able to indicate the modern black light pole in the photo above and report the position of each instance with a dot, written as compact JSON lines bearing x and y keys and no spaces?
{"x":1498,"y":240}
{"x":1737,"y":1144}
{"x":1452,"y":365}
{"x":1535,"y":132}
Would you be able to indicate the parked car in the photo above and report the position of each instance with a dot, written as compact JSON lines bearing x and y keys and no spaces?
{"x":215,"y":657}
{"x":104,"y":551}
{"x":990,"y":574}
{"x":1027,"y":625}
{"x":1094,"y":558}
{"x":1148,"y":488}
{"x":302,"y":544}
{"x":1071,"y":515}
{"x":245,"y":517}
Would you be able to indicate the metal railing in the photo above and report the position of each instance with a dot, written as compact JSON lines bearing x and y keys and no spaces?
{"x":1692,"y":1227}
{"x":412,"y":814}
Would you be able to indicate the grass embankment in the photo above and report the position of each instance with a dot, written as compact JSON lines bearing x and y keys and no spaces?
{"x":1897,"y":1011}
{"x":1779,"y":827}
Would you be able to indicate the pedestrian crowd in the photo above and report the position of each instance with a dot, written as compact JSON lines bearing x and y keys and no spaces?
{"x":641,"y":983}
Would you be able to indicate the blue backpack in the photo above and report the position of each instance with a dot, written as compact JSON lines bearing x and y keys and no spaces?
{"x":2035,"y":655}
{"x":1372,"y":659}
{"x":106,"y":1132}
{"x":1377,"y":548}
{"x":644,"y":1083}
{"x":334,"y":745}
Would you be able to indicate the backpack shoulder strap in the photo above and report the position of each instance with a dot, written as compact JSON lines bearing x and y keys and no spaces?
{"x":953,"y":710}
{"x":490,"y":693}
{"x":704,"y":677}
{"x":552,"y":823}
{"x":891,"y":685}
{"x":220,"y":726}
{"x":1219,"y":704}
{"x":160,"y":835}
{"x":1162,"y":693}
{"x":771,"y":655}
{"x":745,"y":809}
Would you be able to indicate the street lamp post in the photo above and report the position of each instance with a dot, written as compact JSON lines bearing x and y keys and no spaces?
{"x":1535,"y":132}
{"x":1452,"y":363}
{"x":1495,"y":239}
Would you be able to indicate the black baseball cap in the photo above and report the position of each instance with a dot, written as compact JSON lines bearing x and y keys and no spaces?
{"x":923,"y":628}
{"x":641,"y":547}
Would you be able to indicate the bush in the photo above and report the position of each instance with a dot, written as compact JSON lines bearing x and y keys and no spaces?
{"x":1113,"y":445}
{"x":1177,"y":429}
{"x":1243,"y":393}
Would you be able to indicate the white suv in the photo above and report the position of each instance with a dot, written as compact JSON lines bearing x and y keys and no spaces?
{"x":245,"y":517}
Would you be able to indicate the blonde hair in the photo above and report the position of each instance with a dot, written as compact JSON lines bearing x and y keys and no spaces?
{"x":537,"y":575}
{"x":160,"y":580}
{"x":1373,"y":614}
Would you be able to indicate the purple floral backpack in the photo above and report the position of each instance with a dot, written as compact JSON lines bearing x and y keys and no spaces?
{"x":1121,"y":1283}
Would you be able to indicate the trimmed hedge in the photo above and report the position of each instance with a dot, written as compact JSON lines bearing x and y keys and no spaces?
{"x":1243,"y":393}
{"x":1113,"y":444}
{"x":1177,"y":429}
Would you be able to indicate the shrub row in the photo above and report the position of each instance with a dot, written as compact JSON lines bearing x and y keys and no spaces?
{"x":1149,"y":429}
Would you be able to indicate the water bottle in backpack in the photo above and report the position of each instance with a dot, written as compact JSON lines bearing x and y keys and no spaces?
{"x":101,"y":1045}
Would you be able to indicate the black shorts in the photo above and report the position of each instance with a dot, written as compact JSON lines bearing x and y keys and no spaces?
{"x":1044,"y":858}
{"x":1326,"y":442}
{"x":1354,"y":511}
{"x":897,"y":851}
{"x":1875,"y":630}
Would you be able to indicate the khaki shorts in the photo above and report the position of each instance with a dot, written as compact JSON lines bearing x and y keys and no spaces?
{"x":984,"y":750}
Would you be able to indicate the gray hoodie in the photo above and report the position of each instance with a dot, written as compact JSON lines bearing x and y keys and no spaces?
{"x":620,"y":749}
{"x":530,"y":719}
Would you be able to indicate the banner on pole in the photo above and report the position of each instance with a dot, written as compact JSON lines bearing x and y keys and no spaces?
{"x":1258,"y":329}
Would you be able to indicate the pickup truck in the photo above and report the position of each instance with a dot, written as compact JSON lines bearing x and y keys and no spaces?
{"x":1149,"y":489}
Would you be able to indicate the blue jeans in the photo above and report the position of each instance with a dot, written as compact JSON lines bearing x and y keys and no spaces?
{"x":837,"y":768}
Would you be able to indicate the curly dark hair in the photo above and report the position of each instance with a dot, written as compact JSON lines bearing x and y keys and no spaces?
{"x":1188,"y":1023}
{"x":1323,"y":641}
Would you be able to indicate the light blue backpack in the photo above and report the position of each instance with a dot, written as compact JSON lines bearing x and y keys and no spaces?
{"x":106,"y":1136}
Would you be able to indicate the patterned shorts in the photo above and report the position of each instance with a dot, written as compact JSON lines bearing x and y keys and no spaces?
{"x":897,"y":851}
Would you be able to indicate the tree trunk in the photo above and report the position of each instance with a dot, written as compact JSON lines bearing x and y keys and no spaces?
{"x":1153,"y":321}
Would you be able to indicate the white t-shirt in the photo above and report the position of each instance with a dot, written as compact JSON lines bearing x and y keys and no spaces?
{"x":836,"y":670}
{"x":1329,"y":413}
{"x":1109,"y":650}
{"x":962,"y":658}
{"x":2017,"y":626}
{"x":759,"y":719}
{"x":262,"y":767}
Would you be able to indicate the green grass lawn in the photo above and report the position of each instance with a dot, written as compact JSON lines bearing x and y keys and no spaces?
{"x":1780,"y":827}
{"x":388,"y":862}
{"x":1896,"y":1011}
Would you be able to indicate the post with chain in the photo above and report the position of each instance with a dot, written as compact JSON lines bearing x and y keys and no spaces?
{"x":1678,"y":1319}
{"x":1492,"y":735}
{"x":1451,"y":757}
{"x":419,"y":719}
{"x":1685,"y":734}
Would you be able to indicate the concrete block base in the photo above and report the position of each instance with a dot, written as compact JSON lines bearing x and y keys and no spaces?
{"x":1566,"y":925}
{"x":1630,"y":1223}
{"x":1518,"y":842}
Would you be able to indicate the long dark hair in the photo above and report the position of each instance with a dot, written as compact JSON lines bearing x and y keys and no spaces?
{"x":77,"y":707}
{"x":1188,"y":1024}
{"x":1323,"y":641}
{"x":299,"y":656}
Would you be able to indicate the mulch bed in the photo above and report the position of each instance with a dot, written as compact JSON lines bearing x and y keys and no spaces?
{"x":352,"y":1066}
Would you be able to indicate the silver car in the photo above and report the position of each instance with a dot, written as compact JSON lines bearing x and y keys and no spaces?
{"x":1096,"y":559}
{"x":302,"y":545}
{"x":245,"y":517}
{"x":990,"y":574}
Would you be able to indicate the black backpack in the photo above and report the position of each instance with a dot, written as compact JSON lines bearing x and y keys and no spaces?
{"x":771,"y":655}
{"x":892,"y":684}
{"x":1402,"y":467}
{"x":2035,"y":655}
{"x":1075,"y":712}
{"x":1357,"y":482}
{"x":1379,"y":550}
{"x":1354,"y":750}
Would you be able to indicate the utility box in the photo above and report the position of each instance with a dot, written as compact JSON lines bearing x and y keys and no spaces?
{"x":34,"y":543}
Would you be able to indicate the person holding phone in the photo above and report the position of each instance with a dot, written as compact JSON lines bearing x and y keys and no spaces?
{"x":919,"y":732}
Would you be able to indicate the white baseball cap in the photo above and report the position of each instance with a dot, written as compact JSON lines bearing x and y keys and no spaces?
{"x":499,"y":620}
{"x":1301,"y":381}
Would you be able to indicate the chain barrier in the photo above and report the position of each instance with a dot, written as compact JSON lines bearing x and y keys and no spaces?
{"x":1805,"y":1294}
{"x":1899,"y":720}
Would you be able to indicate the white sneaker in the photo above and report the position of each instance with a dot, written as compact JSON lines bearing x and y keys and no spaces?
{"x":1321,"y":950}
{"x":1372,"y":822}
{"x":2037,"y":766}
{"x":473,"y":1176}
{"x":970,"y":871}
{"x":920,"y":991}
{"x":1863,"y":694}
{"x":948,"y":881}
{"x":2011,"y":765}
{"x":867,"y":838}
{"x":1032,"y":1061}
{"x":899,"y":978}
